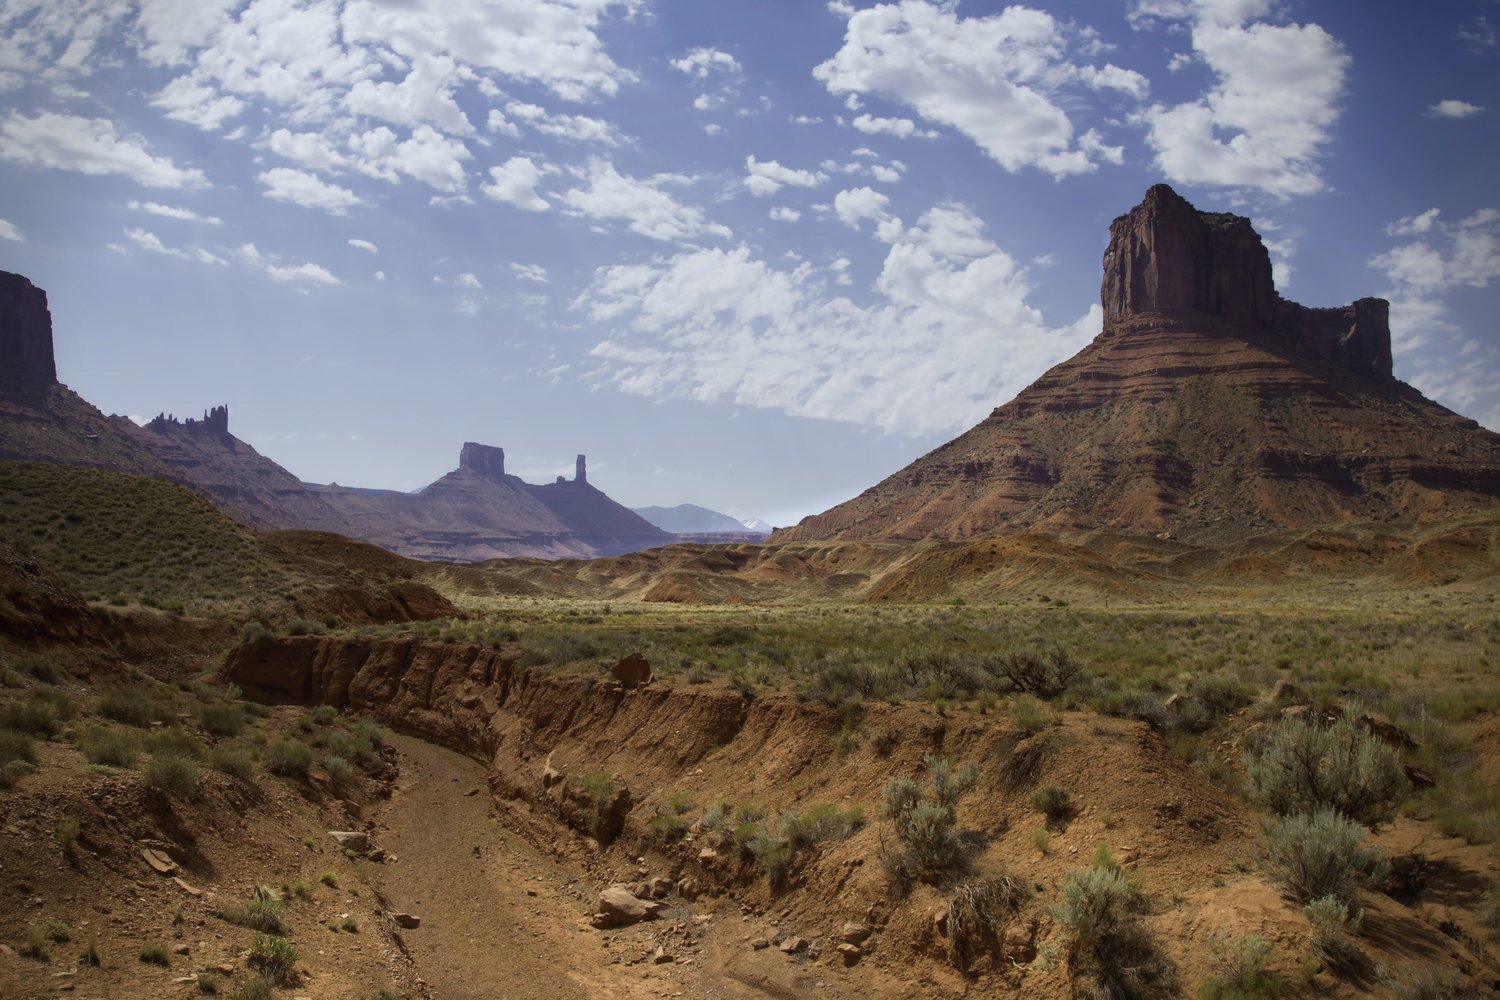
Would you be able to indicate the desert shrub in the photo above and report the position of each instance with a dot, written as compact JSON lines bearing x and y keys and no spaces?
{"x":338,"y":767}
{"x":45,"y":713}
{"x":304,"y":626}
{"x":288,"y":759}
{"x":325,"y":715}
{"x":1431,"y":983}
{"x":715,"y":819}
{"x":367,"y":730}
{"x":36,"y":946}
{"x":1041,"y":839}
{"x":1222,"y":694}
{"x":599,"y":786}
{"x":1330,"y":921}
{"x":43,"y":668}
{"x":171,"y":773}
{"x":883,"y":741}
{"x":233,"y":759}
{"x":56,"y":931}
{"x":155,"y":954}
{"x":977,"y":913}
{"x":16,"y":746}
{"x":1028,"y":715}
{"x":112,"y":747}
{"x":134,"y":708}
{"x":173,"y":741}
{"x":1044,"y":673}
{"x":776,"y":857}
{"x":1052,"y":800}
{"x":1310,"y":855}
{"x":258,"y":637}
{"x":207,"y":983}
{"x":266,"y":915}
{"x":254,"y":988}
{"x":1104,"y":940}
{"x":1241,"y":959}
{"x":1022,"y":766}
{"x":824,"y":821}
{"x":90,"y":954}
{"x":273,"y":957}
{"x":350,"y":924}
{"x":932,"y":847}
{"x":668,"y":827}
{"x":1343,"y":767}
{"x":67,"y":830}
{"x":329,"y":878}
{"x":351,"y":746}
{"x":224,"y":720}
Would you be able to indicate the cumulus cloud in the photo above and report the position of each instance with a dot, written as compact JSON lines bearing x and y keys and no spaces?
{"x":189,"y":100}
{"x":149,"y":241}
{"x":770,"y":176}
{"x":8,"y":231}
{"x":993,"y":78}
{"x":364,"y":245}
{"x":576,"y":127}
{"x":307,"y":148}
{"x":428,"y":156}
{"x":1451,"y":366}
{"x":650,"y":210}
{"x":949,"y":335}
{"x":700,"y":62}
{"x":88,"y":146}
{"x":1264,"y":123}
{"x":531,"y":272}
{"x":468,"y":281}
{"x":302,"y":272}
{"x":1454,"y":109}
{"x":170,"y":29}
{"x":302,"y":188}
{"x":858,"y":204}
{"x":515,"y":182}
{"x":782,"y":214}
{"x":54,"y":39}
{"x":174,"y":212}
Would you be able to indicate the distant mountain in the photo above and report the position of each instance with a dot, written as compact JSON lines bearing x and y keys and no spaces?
{"x":756,"y":524}
{"x":475,"y":512}
{"x":1208,"y":408}
{"x":688,"y":518}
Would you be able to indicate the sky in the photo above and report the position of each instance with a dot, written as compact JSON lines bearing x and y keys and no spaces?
{"x":751,"y":256}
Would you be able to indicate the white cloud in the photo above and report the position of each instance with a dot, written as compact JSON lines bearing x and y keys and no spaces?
{"x":469,"y":281}
{"x":88,"y":146}
{"x":302,"y":188}
{"x":1454,"y":109}
{"x":364,"y":245}
{"x":576,"y":127}
{"x":189,"y":100}
{"x":174,"y":212}
{"x":307,"y":148}
{"x":1179,"y":60}
{"x":531,"y":272}
{"x":468,"y":307}
{"x":53,"y":40}
{"x":171,"y":28}
{"x":207,"y":258}
{"x":782,"y":214}
{"x":860,"y":203}
{"x":379,"y":275}
{"x":699,"y":62}
{"x":993,"y":78}
{"x":515,"y":182}
{"x":1413,"y":224}
{"x":712,"y":129}
{"x":498,"y":123}
{"x":651,"y":211}
{"x":302,"y":272}
{"x":949,"y":337}
{"x":149,"y":241}
{"x":1265,"y":122}
{"x":8,"y":231}
{"x":886,"y":174}
{"x":901,"y":128}
{"x":768,"y":177}
{"x":805,"y":120}
{"x":429,"y":157}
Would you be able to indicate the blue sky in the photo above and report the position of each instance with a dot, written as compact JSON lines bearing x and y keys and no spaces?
{"x":750,"y":256}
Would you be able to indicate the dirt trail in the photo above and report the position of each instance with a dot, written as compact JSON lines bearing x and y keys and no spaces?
{"x":483,"y":934}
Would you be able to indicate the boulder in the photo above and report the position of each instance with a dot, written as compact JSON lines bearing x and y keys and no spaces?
{"x":850,"y":952}
{"x":794,"y":944}
{"x":617,"y":906}
{"x":855,"y":932}
{"x":352,"y":840}
{"x":1020,"y":941}
{"x":659,"y":888}
{"x":688,"y":888}
{"x":632,"y":671}
{"x":407,"y":921}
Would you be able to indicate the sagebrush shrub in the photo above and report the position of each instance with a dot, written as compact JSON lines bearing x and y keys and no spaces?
{"x":1052,"y":800}
{"x":288,"y":759}
{"x":1330,"y":920}
{"x":225,"y":720}
{"x":1343,"y":767}
{"x":16,"y":746}
{"x":1105,"y":941}
{"x":274,"y":957}
{"x":1241,"y":959}
{"x":112,"y":747}
{"x":171,"y":773}
{"x":1322,"y":854}
{"x":338,"y":767}
{"x":233,"y":759}
{"x":133,"y":708}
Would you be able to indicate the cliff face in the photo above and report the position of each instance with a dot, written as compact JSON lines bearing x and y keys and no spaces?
{"x":25,"y":331}
{"x":1208,"y":407}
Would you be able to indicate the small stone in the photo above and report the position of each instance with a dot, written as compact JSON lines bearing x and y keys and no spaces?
{"x":187,"y":888}
{"x":661,"y":956}
{"x":759,"y":944}
{"x":407,"y":921}
{"x":851,"y":953}
{"x":794,"y":944}
{"x":659,"y":887}
{"x":855,"y":932}
{"x":531,"y":892}
{"x":158,"y":860}
{"x":181,"y":949}
{"x":708,"y":854}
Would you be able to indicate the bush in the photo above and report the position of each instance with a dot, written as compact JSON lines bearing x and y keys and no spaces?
{"x":1242,"y":959}
{"x":56,"y":931}
{"x":1028,"y":714}
{"x":172,"y":773}
{"x":1045,"y":673}
{"x":338,"y":767}
{"x":43,"y":668}
{"x":1322,"y":854}
{"x":224,"y":720}
{"x":173,"y":741}
{"x":133,"y":708}
{"x":351,"y":747}
{"x":325,"y":715}
{"x":367,"y":730}
{"x":668,"y":827}
{"x":155,"y":954}
{"x":1052,"y":800}
{"x":112,"y":747}
{"x":883,"y":741}
{"x":304,"y":626}
{"x":232,"y":759}
{"x":1343,"y":767}
{"x":329,"y":878}
{"x":1432,"y":983}
{"x":67,"y":830}
{"x":925,"y":828}
{"x":1104,"y":940}
{"x":258,"y":915}
{"x":45,"y":713}
{"x":16,"y":746}
{"x":259,"y":638}
{"x":1330,"y":920}
{"x":274,"y":957}
{"x":289,"y":759}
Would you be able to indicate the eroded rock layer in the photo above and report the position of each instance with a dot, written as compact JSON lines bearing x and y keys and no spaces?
{"x":1209,"y":408}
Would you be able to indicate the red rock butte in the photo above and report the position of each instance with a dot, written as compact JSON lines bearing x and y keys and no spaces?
{"x":1209,"y":407}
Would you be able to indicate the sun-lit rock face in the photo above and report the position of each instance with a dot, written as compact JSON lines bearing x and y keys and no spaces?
{"x":1208,"y":407}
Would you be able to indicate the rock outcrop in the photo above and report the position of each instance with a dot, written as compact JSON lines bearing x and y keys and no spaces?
{"x":25,"y":331}
{"x":1208,"y":408}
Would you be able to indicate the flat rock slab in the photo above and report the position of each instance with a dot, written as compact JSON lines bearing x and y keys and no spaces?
{"x":158,"y":860}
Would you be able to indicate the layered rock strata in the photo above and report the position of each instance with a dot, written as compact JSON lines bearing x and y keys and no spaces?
{"x":1208,"y":408}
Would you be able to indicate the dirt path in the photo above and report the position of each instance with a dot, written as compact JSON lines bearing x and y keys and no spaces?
{"x":499,"y":920}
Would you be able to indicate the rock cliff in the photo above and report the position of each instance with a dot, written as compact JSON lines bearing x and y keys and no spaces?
{"x":1207,"y":408}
